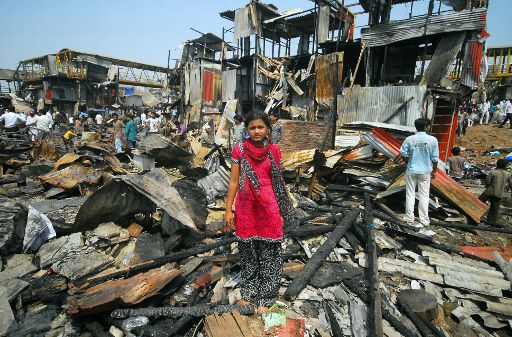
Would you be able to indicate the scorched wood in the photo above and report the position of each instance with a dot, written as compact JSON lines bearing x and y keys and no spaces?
{"x":306,"y":274}
{"x":122,"y":292}
{"x":374,"y":312}
{"x":196,"y":311}
{"x":173,"y":257}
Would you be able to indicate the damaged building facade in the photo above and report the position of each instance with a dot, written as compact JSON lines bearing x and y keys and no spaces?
{"x":286,"y":61}
{"x":71,"y":78}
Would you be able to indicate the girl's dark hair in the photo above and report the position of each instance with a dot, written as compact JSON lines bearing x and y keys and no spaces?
{"x":252,"y":116}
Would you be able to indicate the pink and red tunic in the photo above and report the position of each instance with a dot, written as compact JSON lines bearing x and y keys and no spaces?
{"x":257,"y":215}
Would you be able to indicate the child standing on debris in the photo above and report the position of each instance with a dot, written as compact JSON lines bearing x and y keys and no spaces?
{"x":262,"y":204}
{"x":497,"y":182}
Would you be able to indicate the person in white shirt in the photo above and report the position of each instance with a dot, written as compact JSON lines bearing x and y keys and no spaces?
{"x":99,"y":119}
{"x":11,"y":120}
{"x":43,"y":122}
{"x":143,"y":117}
{"x":485,"y":113}
{"x":153,"y":123}
{"x":50,"y":118}
{"x":508,"y":116}
{"x":31,"y":124}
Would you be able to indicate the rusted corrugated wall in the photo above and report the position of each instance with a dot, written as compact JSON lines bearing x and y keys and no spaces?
{"x":326,"y":77}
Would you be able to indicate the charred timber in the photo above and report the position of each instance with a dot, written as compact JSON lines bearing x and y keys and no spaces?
{"x":472,"y":229}
{"x":425,"y":328}
{"x":375,"y":312}
{"x":306,"y":274}
{"x":195,"y":311}
{"x":387,"y":313}
{"x":163,"y":260}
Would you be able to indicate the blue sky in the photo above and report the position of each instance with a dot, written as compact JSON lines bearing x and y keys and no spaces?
{"x":145,"y":30}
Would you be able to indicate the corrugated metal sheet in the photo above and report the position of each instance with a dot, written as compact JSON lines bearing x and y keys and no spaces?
{"x":326,"y":76}
{"x":444,"y":128}
{"x":292,"y":160}
{"x":383,"y":34}
{"x":472,"y":64}
{"x":377,"y":104}
{"x":446,"y":186}
{"x":229,"y":84}
{"x":211,"y":87}
{"x":215,"y":184}
{"x":359,"y":154}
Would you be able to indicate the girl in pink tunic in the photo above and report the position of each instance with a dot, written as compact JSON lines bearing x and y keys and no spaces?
{"x":262,"y":204}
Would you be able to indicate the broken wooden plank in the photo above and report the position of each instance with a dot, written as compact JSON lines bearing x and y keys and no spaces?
{"x":228,"y":324}
{"x":195,"y":311}
{"x":306,"y":274}
{"x":122,"y":292}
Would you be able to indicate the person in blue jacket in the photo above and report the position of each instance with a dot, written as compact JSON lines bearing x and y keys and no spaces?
{"x":130,"y":131}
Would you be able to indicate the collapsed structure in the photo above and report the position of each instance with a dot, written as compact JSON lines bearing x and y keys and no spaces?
{"x":90,"y":242}
{"x":70,"y":78}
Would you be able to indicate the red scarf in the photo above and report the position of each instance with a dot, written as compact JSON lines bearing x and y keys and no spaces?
{"x":256,"y":153}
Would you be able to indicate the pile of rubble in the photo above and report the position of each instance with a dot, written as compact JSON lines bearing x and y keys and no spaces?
{"x":92,"y":244}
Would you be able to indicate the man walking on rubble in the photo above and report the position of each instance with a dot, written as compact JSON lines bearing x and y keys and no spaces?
{"x":118,"y":133}
{"x":421,"y":153}
{"x":508,"y":116}
{"x":497,"y":182}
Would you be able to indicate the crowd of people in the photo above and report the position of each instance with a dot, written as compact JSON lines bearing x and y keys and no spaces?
{"x":487,"y":112}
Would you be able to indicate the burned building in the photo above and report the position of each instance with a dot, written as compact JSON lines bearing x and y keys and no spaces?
{"x":68,"y":78}
{"x":307,"y":64}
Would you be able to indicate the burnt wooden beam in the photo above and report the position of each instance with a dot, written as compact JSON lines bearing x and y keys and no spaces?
{"x":311,"y":230}
{"x":425,"y":328}
{"x":160,"y":261}
{"x":306,"y":274}
{"x":387,"y":312}
{"x":122,"y":292}
{"x":335,"y":325}
{"x":470,"y":228}
{"x":344,"y":188}
{"x":195,"y":311}
{"x":374,"y":312}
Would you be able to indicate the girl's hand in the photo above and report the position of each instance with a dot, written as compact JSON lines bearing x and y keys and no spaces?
{"x":230,"y":222}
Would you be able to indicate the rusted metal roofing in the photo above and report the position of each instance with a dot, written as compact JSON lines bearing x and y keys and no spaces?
{"x":387,"y":33}
{"x":446,"y":186}
{"x":363,"y":152}
{"x":486,"y":252}
{"x":378,"y":104}
{"x":326,"y":76}
{"x":472,"y":64}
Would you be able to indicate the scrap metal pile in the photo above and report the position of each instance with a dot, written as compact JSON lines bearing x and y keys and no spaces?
{"x":90,"y":247}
